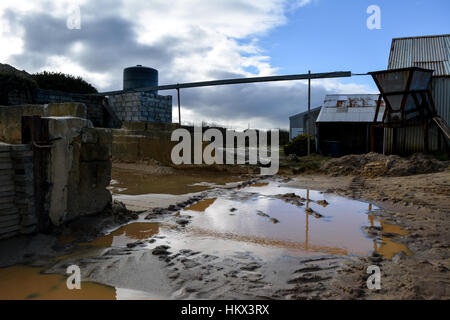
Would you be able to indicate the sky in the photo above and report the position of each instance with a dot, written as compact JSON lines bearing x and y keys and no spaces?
{"x":197,"y":40}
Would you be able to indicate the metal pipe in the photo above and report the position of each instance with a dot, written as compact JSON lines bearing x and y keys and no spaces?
{"x":309,"y":112}
{"x":337,"y":74}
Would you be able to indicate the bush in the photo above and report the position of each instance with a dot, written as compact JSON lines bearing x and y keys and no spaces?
{"x":63,"y":82}
{"x":299,"y":145}
{"x":10,"y":82}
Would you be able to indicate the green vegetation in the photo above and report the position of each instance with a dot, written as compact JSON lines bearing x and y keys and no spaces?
{"x":311,"y":163}
{"x":63,"y":82}
{"x":299,"y":145}
{"x":10,"y":82}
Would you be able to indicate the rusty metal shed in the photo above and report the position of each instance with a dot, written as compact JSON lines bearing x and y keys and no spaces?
{"x":343,"y":125}
{"x":430,"y":52}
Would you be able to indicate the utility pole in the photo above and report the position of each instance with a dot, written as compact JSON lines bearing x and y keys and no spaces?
{"x":179,"y":107}
{"x":309,"y":112}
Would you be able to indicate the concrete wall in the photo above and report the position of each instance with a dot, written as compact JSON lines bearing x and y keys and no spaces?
{"x":96,"y":111}
{"x":11,"y":117}
{"x":17,"y":210}
{"x":142,"y":106}
{"x":79,"y":170}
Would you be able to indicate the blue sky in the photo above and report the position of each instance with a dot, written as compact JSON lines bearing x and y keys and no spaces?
{"x":332,"y":35}
{"x":195,"y":40}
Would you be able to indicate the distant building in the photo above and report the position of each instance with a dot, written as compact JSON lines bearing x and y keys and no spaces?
{"x":298,"y":123}
{"x":343,"y":124}
{"x":429,"y":52}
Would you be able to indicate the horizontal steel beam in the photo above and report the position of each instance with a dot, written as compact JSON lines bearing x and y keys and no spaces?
{"x":338,"y":74}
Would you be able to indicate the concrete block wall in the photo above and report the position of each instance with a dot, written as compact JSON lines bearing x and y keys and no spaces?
{"x":11,"y":117}
{"x":79,"y":170}
{"x":17,"y":211}
{"x":142,"y":106}
{"x":95,"y":109}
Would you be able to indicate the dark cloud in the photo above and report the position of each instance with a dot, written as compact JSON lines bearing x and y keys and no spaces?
{"x":110,"y":43}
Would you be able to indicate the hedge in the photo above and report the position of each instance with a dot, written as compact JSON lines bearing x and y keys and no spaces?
{"x":63,"y":82}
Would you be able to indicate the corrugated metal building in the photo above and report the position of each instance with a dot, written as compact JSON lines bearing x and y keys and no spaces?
{"x":298,"y":123}
{"x":343,"y":125}
{"x":430,"y":52}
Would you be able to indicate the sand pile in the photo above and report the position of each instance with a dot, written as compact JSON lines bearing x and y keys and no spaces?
{"x":376,"y":165}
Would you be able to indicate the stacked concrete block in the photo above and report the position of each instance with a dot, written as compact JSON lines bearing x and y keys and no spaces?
{"x":22,"y":158}
{"x":9,"y":215}
{"x":17,"y":214}
{"x":142,"y":106}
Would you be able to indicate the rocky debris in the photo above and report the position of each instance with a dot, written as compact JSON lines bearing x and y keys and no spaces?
{"x":161,"y":250}
{"x":317,"y":215}
{"x":322,"y":202}
{"x":182,"y":221}
{"x":274,"y":220}
{"x":376,"y":165}
{"x":119,"y":210}
{"x":135,"y":244}
{"x":262,"y":214}
{"x":251,"y":266}
{"x":173,"y":208}
{"x":291,"y":198}
{"x":233,"y":209}
{"x":189,"y":252}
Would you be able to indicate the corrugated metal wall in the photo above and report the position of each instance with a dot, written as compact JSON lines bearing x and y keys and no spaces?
{"x":410,"y":140}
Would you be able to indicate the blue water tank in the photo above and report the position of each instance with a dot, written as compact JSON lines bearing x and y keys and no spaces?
{"x":140,"y":77}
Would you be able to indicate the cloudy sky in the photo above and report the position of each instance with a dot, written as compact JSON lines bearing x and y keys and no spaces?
{"x":196,"y":40}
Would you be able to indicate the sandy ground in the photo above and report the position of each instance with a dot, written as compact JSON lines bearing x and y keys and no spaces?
{"x":419,"y":203}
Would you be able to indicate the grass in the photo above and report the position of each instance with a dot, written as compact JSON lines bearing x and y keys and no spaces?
{"x":309,"y":163}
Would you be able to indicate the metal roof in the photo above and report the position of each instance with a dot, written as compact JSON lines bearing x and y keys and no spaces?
{"x":350,"y":108}
{"x":301,"y":114}
{"x":430,"y":52}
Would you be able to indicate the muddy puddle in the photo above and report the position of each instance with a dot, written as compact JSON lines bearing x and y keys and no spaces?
{"x":320,"y":223}
{"x":24,"y":282}
{"x":250,"y":242}
{"x":131,"y":182}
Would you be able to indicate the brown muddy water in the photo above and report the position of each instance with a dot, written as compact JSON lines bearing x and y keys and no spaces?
{"x":131,"y":182}
{"x":253,"y":220}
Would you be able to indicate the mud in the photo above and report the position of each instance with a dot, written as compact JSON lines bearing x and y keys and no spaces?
{"x":376,"y":165}
{"x":418,"y":203}
{"x":278,"y":238}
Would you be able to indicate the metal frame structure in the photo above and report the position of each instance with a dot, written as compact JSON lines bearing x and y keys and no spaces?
{"x":423,"y":107}
{"x":308,"y":76}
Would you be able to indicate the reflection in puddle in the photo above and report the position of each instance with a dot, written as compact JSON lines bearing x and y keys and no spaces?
{"x":388,"y":248}
{"x":201,"y":205}
{"x":126,"y":234}
{"x":325,"y":223}
{"x":135,"y":183}
{"x":23,"y":282}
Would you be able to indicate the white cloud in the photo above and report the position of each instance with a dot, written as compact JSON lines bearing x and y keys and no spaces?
{"x":189,"y":40}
